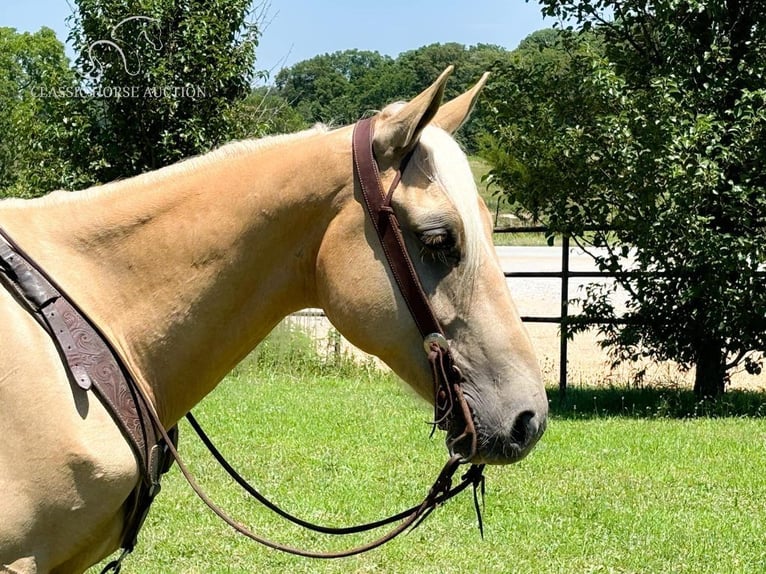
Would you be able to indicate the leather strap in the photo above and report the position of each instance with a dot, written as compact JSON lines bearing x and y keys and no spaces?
{"x":446,"y":375}
{"x":473,"y":477}
{"x":386,"y":225}
{"x":93,"y":365}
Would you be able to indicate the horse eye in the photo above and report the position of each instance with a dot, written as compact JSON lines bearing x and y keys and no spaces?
{"x":437,"y":239}
{"x":440,"y":245}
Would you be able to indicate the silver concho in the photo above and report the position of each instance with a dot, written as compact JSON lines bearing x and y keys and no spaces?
{"x":437,"y":338}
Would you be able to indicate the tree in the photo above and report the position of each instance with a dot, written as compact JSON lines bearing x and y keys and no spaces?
{"x":537,"y":95}
{"x":663,"y":140}
{"x":338,"y":88}
{"x":162,"y":77}
{"x":39,"y":120}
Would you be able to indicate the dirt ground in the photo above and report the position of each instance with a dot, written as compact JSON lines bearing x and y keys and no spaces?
{"x":587,"y":363}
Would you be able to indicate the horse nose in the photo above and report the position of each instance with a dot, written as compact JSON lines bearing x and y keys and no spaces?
{"x":527,"y":429}
{"x":512,"y":441}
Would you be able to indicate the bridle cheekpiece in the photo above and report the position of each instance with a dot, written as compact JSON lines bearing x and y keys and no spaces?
{"x":447,"y":378}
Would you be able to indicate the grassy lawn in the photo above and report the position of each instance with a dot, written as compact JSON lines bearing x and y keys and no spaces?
{"x":601,"y":493}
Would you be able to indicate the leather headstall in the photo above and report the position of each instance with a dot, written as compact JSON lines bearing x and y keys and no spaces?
{"x":447,"y":377}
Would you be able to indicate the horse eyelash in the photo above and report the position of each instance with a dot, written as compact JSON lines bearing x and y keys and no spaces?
{"x":439,"y":247}
{"x":434,"y":255}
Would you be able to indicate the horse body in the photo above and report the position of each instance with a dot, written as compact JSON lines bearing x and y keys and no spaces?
{"x":186,"y":269}
{"x":181,"y":318}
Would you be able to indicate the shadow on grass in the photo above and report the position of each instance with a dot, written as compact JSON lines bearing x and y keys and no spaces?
{"x":588,"y":403}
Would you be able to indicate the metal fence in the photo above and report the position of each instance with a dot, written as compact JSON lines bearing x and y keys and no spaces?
{"x":563,"y":319}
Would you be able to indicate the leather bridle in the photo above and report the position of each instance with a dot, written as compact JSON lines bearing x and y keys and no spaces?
{"x":447,"y":378}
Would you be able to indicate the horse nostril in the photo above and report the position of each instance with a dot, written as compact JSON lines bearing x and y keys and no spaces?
{"x":525,"y":429}
{"x":513,"y":440}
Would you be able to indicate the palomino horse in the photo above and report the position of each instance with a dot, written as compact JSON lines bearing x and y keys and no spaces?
{"x":187,"y":268}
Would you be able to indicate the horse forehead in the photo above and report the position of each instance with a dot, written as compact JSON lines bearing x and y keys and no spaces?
{"x":443,"y":161}
{"x":448,"y":166}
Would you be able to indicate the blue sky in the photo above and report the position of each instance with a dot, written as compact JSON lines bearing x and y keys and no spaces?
{"x":298,"y":29}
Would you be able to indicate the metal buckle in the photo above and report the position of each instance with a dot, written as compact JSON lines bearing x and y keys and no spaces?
{"x":437,"y":338}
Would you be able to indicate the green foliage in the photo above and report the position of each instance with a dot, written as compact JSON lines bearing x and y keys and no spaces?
{"x":155,"y":81}
{"x":653,"y":124}
{"x":339,"y":88}
{"x":37,"y":124}
{"x":264,"y":112}
{"x":162,"y":78}
{"x":423,"y":65}
{"x":536,"y":96}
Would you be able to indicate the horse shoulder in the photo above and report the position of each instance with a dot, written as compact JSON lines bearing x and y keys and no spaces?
{"x":65,"y":469}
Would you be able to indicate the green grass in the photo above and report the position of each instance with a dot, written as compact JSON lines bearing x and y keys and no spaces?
{"x":522,"y":239}
{"x":605,"y":491}
{"x":480,"y":168}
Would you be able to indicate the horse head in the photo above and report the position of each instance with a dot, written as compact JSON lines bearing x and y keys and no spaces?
{"x":447,"y":231}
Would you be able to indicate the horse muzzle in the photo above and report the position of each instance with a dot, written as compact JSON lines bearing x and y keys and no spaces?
{"x":483,"y":438}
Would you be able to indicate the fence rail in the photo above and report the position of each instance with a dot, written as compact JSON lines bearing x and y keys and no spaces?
{"x":564,"y":275}
{"x":564,"y":319}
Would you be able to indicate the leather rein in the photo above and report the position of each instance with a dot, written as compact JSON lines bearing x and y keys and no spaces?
{"x":155,"y":447}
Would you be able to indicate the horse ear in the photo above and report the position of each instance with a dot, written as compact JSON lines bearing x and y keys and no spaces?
{"x":398,"y":126}
{"x":454,"y":113}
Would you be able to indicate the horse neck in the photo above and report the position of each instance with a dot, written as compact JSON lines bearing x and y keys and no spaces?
{"x":188,"y":269}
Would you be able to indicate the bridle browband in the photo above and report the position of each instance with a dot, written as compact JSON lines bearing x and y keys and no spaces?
{"x":450,"y":406}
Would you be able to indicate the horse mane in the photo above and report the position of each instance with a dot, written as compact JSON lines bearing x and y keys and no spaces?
{"x":234,"y":149}
{"x":442,"y":160}
{"x":228,"y":150}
